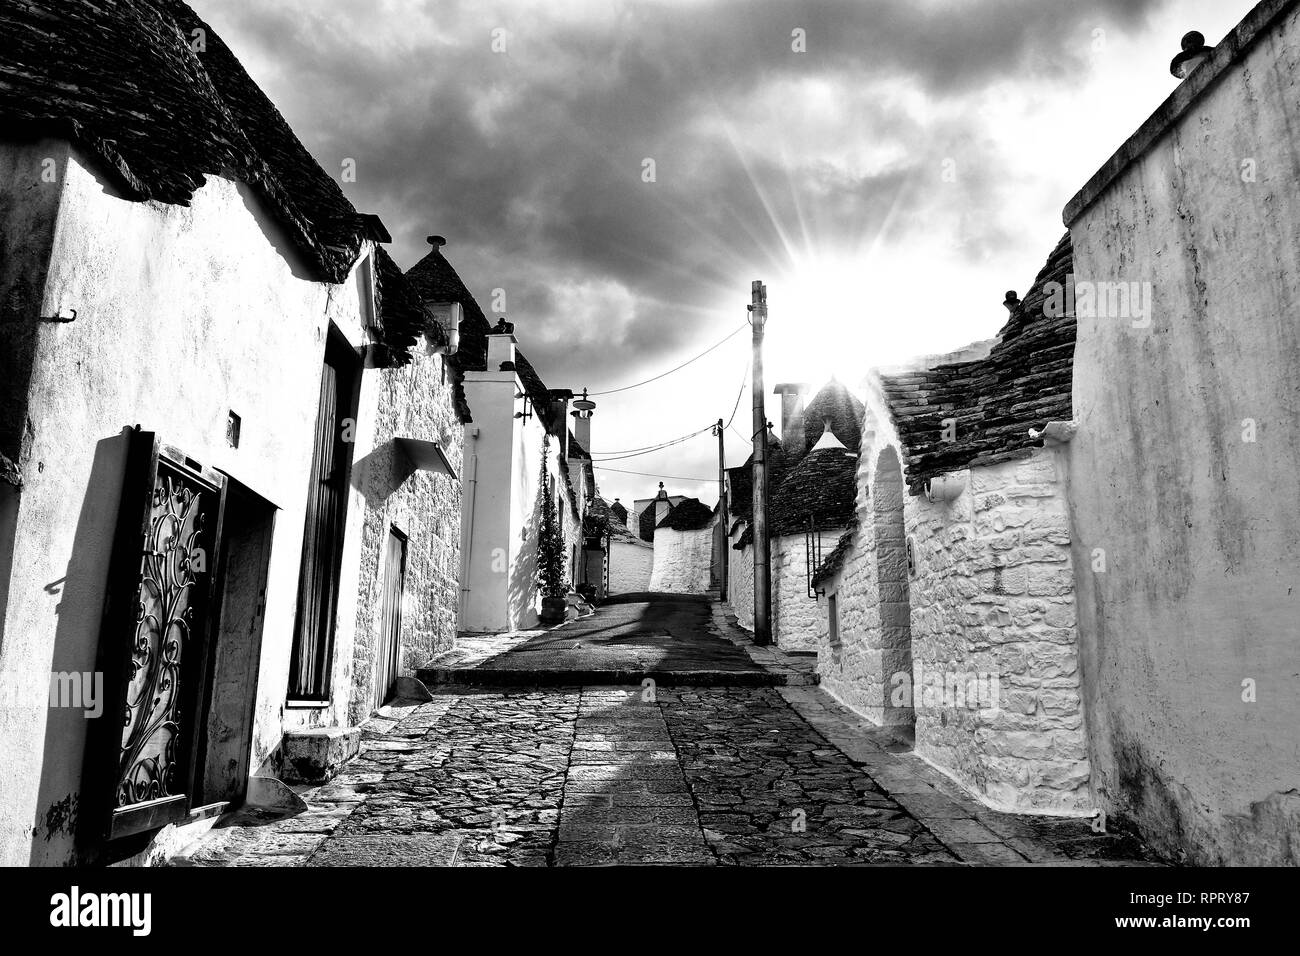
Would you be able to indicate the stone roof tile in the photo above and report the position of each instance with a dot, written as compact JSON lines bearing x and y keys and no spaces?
{"x":1024,"y":383}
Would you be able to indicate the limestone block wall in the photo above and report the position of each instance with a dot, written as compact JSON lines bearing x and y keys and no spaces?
{"x":631,"y":561}
{"x":995,"y":658}
{"x":972,"y":639}
{"x":857,"y":669}
{"x":740,"y":583}
{"x":415,"y":401}
{"x":796,"y":617}
{"x":682,"y":560}
{"x":872,"y":647}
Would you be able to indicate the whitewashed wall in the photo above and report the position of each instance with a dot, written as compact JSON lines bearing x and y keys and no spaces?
{"x":683,"y":560}
{"x":993,"y":597}
{"x":1185,"y":472}
{"x":631,"y":562}
{"x":740,"y":582}
{"x":796,"y":617}
{"x":184,"y":313}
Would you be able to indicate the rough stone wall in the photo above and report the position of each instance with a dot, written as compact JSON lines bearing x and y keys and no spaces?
{"x":415,"y":401}
{"x":630,"y":564}
{"x":683,"y":560}
{"x":1185,"y":472}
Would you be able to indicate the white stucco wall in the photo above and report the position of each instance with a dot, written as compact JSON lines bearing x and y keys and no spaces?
{"x":1200,"y":526}
{"x":630,"y":563}
{"x":183,"y":314}
{"x":500,"y":516}
{"x":683,"y":560}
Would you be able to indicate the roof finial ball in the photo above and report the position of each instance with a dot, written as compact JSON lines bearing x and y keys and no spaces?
{"x":436,"y":241}
{"x":1012,"y":301}
{"x":1194,"y":53}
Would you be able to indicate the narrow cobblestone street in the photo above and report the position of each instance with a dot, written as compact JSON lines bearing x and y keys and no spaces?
{"x":589,"y":774}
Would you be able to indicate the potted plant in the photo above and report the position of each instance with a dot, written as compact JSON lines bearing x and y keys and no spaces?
{"x":550,"y":551}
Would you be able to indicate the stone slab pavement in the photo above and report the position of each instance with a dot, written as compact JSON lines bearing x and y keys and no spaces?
{"x":595,"y":775}
{"x":679,"y":639}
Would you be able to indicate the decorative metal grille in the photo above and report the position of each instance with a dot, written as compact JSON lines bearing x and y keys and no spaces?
{"x":812,"y":544}
{"x":167,"y":628}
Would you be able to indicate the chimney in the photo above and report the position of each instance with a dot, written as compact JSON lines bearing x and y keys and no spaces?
{"x":1193,"y":54}
{"x":582,"y":429}
{"x":585,"y":408}
{"x":560,"y":417}
{"x":661,"y":505}
{"x":501,"y":347}
{"x":792,"y":400}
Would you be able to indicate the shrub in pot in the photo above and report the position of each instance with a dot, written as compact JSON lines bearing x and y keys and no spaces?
{"x":550,"y":550}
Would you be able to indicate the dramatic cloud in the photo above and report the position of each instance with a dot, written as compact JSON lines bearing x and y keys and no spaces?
{"x":890,"y":181}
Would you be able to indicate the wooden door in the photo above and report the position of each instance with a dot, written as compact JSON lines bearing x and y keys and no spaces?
{"x":388,"y":656}
{"x":322,"y":550}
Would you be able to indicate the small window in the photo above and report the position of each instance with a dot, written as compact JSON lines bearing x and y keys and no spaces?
{"x":233,"y":423}
{"x":911,"y":559}
{"x":833,"y":618}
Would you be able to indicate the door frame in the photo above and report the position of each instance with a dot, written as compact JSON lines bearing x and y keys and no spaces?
{"x":388,"y":659}
{"x":145,"y":453}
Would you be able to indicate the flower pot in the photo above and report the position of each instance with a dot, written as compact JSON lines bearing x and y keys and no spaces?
{"x":553,"y":609}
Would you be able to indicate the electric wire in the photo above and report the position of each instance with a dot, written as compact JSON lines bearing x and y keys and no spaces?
{"x":611,"y":391}
{"x":652,"y":474}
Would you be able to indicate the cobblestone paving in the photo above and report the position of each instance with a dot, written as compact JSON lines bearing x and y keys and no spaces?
{"x":771,"y":790}
{"x":614,"y":775}
{"x":479,"y":784}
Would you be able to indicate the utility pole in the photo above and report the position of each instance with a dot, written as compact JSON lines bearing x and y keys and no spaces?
{"x":724,"y":540}
{"x":762,"y":566}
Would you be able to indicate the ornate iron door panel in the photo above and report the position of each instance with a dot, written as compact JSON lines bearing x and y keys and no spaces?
{"x":155,"y":648}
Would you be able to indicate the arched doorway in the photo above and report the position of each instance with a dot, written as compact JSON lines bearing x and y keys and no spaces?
{"x":888,"y":491}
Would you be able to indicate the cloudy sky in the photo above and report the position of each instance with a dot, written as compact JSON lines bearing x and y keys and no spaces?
{"x":623,"y":170}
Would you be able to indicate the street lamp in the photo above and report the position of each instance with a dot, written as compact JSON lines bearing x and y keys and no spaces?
{"x":762,"y":566}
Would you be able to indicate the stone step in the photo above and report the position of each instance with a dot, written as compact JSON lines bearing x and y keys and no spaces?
{"x":574,"y":677}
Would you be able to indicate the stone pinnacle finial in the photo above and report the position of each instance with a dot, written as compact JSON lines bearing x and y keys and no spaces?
{"x":1194,"y":52}
{"x":436,"y":241}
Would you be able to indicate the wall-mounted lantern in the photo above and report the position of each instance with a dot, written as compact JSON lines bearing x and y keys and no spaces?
{"x":527,"y":413}
{"x":447,"y":315}
{"x":944,"y":489}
